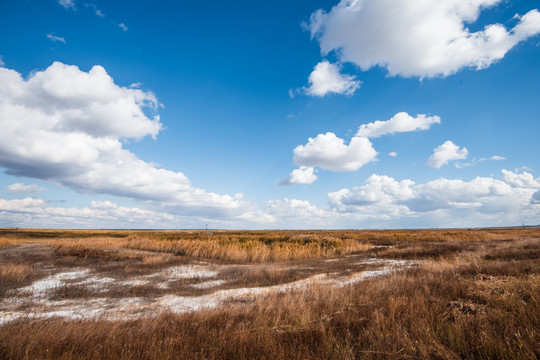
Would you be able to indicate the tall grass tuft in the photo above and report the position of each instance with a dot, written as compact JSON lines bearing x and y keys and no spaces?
{"x":15,"y":273}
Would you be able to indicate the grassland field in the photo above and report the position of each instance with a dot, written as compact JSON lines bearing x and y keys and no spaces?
{"x":392,"y":294}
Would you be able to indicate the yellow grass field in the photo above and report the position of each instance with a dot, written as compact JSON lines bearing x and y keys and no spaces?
{"x":398,"y":294}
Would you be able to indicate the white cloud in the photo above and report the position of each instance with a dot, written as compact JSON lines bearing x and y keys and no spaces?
{"x":465,"y":165}
{"x":55,"y":38}
{"x":295,"y":208}
{"x":37,"y":212}
{"x":474,"y":161}
{"x":444,"y":193}
{"x":292,"y":93}
{"x":492,"y":158}
{"x":329,"y":152}
{"x":522,"y":168}
{"x":508,"y":200}
{"x":401,"y":122}
{"x":20,"y":188}
{"x":445,"y":153}
{"x":302,"y":175}
{"x":97,"y":11}
{"x":67,"y":4}
{"x":378,"y":197}
{"x":523,"y":180}
{"x":1,"y":61}
{"x":326,"y":78}
{"x":66,"y":125}
{"x":417,"y":38}
{"x":123,"y":27}
{"x":392,"y":154}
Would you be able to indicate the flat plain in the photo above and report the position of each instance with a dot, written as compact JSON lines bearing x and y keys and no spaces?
{"x":429,"y":294}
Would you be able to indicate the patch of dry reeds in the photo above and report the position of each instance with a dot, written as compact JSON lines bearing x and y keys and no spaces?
{"x":249,"y":248}
{"x":15,"y":273}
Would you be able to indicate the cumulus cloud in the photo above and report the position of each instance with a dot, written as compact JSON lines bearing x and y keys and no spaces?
{"x":377,"y":198}
{"x":417,"y":38}
{"x":513,"y":196}
{"x":68,"y":126}
{"x":445,"y":153}
{"x":20,"y":188}
{"x":55,"y":38}
{"x":330,"y":152}
{"x":67,"y":4}
{"x":382,"y":201}
{"x":326,"y":78}
{"x":123,"y":26}
{"x":294,"y":213}
{"x":523,"y":180}
{"x":392,"y":154}
{"x":401,"y":122}
{"x":302,"y":175}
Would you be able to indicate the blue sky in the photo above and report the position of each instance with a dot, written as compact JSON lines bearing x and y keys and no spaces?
{"x":241,"y":114}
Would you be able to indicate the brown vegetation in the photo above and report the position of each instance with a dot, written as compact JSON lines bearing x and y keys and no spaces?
{"x":15,"y":273}
{"x":475,"y":295}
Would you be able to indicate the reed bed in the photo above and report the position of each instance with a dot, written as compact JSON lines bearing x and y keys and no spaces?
{"x":457,"y":313}
{"x":269,"y":246}
{"x":474,"y":295}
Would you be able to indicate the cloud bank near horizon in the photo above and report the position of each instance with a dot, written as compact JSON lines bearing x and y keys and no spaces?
{"x":68,"y":126}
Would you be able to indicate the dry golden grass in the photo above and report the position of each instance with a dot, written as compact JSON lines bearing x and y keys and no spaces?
{"x":160,"y":259}
{"x":6,"y":241}
{"x":264,"y":246}
{"x":249,"y":248}
{"x":15,"y":273}
{"x":475,"y":295}
{"x":233,"y":246}
{"x":419,"y":314}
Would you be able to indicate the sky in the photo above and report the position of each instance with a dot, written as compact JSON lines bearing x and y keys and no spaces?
{"x":351,"y":114}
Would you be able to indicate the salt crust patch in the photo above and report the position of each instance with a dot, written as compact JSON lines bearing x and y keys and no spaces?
{"x":41,"y":287}
{"x":189,"y":272}
{"x":386,"y":262}
{"x":208,"y":284}
{"x":136,"y":282}
{"x":81,"y":277}
{"x":135,"y":307}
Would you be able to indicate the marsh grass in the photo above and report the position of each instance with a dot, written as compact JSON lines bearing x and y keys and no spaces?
{"x":15,"y":273}
{"x":419,"y":314}
{"x":272,"y":246}
{"x":248,"y":248}
{"x":474,"y":295}
{"x":7,"y":241}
